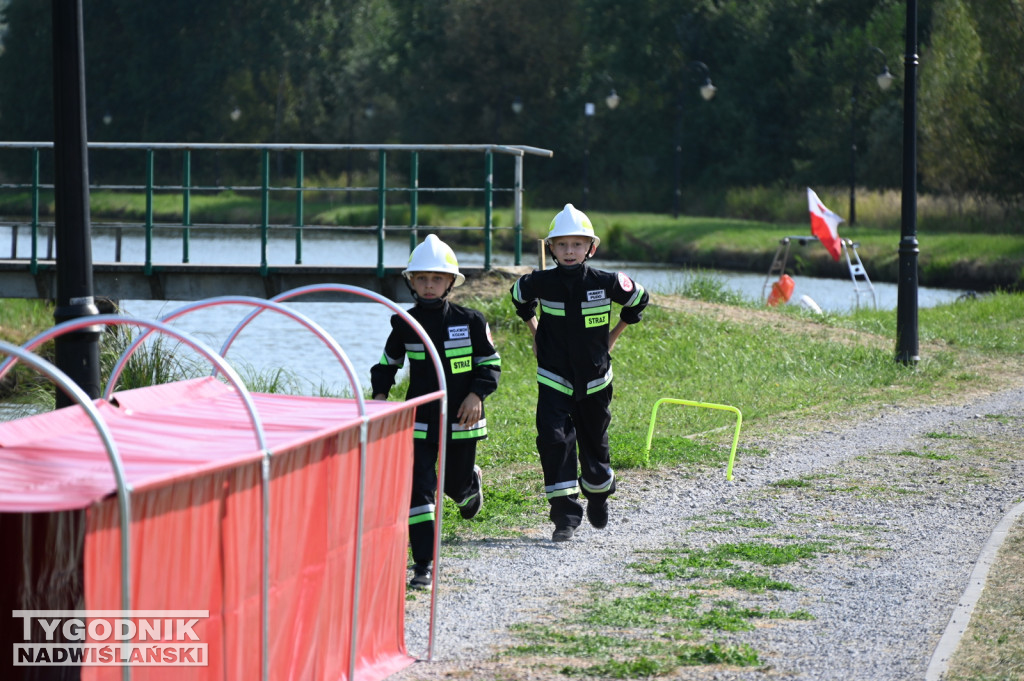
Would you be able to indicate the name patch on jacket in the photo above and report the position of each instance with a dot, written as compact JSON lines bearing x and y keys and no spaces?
{"x":596,"y":309}
{"x":458,"y":332}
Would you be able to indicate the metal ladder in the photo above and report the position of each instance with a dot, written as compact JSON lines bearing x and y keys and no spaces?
{"x":858,"y":274}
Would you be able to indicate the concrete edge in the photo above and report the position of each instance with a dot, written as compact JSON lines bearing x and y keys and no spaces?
{"x":961,"y":617}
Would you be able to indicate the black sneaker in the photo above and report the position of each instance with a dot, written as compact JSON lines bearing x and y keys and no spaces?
{"x":597,"y":513}
{"x":562,"y":534}
{"x":476,"y":502}
{"x":420,"y":576}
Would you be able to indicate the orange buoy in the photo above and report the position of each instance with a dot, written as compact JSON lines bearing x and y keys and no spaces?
{"x":782,"y":290}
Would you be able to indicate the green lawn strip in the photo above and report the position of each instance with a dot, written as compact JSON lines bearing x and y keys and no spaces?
{"x":648,"y":629}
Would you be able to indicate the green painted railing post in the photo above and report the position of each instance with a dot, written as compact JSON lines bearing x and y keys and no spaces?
{"x":517,"y":211}
{"x":148,"y":267}
{"x":186,"y":204}
{"x":414,"y":200}
{"x":34,"y":263}
{"x":299,"y":215}
{"x":382,"y":186}
{"x":264,"y":210}
{"x":488,"y":206}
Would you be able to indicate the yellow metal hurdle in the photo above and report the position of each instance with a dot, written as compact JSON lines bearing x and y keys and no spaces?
{"x":705,"y":405}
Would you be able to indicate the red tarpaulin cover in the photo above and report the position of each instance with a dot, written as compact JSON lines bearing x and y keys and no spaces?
{"x":192,"y":460}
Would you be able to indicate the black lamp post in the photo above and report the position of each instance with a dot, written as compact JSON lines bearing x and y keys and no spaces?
{"x":707,"y":93}
{"x":884,"y":80}
{"x":906,"y":296}
{"x":589,"y":109}
{"x":77,"y":353}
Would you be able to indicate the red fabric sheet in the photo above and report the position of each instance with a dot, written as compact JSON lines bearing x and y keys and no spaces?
{"x":194,"y":465}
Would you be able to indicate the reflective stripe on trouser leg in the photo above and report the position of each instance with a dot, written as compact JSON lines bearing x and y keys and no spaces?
{"x":556,"y":444}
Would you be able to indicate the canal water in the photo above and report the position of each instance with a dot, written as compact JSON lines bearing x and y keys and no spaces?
{"x":274,"y":341}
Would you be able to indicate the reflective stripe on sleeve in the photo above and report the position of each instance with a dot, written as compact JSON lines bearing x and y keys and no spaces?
{"x":416,"y":350}
{"x":637,"y":295}
{"x":391,"y":361}
{"x":516,"y":294}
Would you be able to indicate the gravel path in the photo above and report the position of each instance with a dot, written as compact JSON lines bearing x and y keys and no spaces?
{"x":909,"y":530}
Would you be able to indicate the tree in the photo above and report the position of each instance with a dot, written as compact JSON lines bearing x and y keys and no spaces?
{"x":955,"y":122}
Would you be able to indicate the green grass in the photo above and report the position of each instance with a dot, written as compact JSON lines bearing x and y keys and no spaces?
{"x":745,"y":581}
{"x":707,"y":358}
{"x":944,"y":436}
{"x":644,"y":630}
{"x":790,"y":483}
{"x":926,"y":454}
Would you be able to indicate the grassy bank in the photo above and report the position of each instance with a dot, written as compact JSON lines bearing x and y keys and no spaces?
{"x":775,"y":365}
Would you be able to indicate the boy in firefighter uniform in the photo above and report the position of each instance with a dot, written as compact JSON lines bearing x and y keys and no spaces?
{"x":471,"y":365}
{"x":572,"y":343}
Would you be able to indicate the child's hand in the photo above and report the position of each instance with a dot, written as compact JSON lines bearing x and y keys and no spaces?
{"x":614,"y":334}
{"x":470,"y":410}
{"x":380,"y":396}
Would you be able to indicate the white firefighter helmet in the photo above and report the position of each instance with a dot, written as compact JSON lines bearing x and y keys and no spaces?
{"x":572,"y":222}
{"x":434,"y":255}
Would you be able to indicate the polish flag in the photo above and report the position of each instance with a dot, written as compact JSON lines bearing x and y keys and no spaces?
{"x":824,"y":224}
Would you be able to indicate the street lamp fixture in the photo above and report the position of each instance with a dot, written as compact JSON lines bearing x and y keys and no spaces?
{"x":707,"y":93}
{"x":235,"y":114}
{"x":588,"y":113}
{"x":612,"y":100}
{"x":517,"y":106}
{"x":107,"y":118}
{"x":884,"y":80}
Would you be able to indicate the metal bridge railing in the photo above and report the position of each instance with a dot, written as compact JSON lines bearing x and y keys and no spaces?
{"x":187,"y":189}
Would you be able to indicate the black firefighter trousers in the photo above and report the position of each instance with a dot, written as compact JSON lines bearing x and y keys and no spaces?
{"x":459,"y":484}
{"x":563,"y":425}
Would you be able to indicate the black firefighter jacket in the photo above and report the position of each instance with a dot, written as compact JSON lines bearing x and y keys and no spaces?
{"x":572,"y":331}
{"x":468,"y":357}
